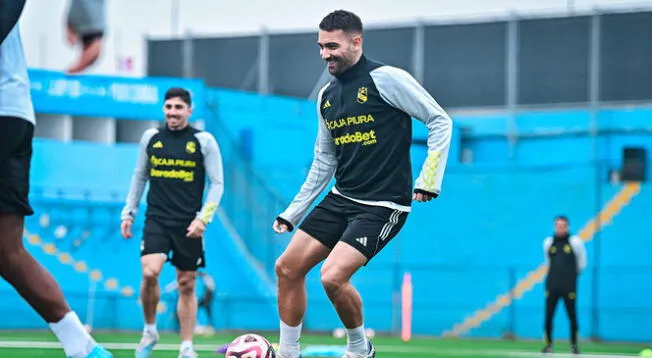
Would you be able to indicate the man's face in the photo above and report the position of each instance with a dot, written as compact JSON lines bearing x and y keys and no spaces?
{"x":561,"y":227}
{"x":177,"y":113}
{"x":339,"y":49}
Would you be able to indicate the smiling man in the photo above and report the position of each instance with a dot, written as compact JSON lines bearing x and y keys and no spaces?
{"x":365,"y":131}
{"x":176,"y":159}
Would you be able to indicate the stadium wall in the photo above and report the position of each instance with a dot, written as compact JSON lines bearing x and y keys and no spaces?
{"x":488,"y":224}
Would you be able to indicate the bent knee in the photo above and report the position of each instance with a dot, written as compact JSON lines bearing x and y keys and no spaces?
{"x":285,"y":270}
{"x":332,"y":280}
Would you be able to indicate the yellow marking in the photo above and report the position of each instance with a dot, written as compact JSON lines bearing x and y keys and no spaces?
{"x":161,"y":308}
{"x":34,"y":239}
{"x":65,"y":258}
{"x":127,"y":291}
{"x":209,"y":210}
{"x":49,"y":249}
{"x":111,"y":284}
{"x":80,"y":266}
{"x":96,"y":275}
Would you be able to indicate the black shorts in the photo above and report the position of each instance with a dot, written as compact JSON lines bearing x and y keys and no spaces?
{"x":15,"y":160}
{"x":367,"y":228}
{"x":165,"y":238}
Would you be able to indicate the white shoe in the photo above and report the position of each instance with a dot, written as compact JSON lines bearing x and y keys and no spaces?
{"x":146,"y":345}
{"x":293,"y":354}
{"x":188,"y":353}
{"x":370,"y":354}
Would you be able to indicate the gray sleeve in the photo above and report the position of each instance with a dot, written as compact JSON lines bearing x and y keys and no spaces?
{"x":400,"y":90}
{"x":215,"y":174}
{"x":546,"y":246}
{"x":87,"y":16}
{"x":580,"y":253}
{"x":321,"y":172}
{"x":139,"y":178}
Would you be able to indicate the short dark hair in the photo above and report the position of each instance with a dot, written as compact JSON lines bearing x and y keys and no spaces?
{"x":341,"y":20}
{"x":562,"y":218}
{"x":179,"y":92}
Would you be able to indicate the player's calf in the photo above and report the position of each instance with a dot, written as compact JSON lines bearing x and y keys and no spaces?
{"x":32,"y":281}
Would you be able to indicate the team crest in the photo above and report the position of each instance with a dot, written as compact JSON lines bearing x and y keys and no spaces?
{"x":191,"y":147}
{"x":362,"y":95}
{"x":553,"y":250}
{"x":567,"y":249}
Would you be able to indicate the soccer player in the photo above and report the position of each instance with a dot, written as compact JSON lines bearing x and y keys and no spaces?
{"x":176,"y":159}
{"x":206,"y":300}
{"x":565,"y":256}
{"x":32,"y":281}
{"x":364,"y":138}
{"x":85,"y":24}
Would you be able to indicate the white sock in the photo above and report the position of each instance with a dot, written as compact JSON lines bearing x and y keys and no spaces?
{"x":74,"y":338}
{"x":150,"y":328}
{"x":185,"y":345}
{"x":357,"y":341}
{"x":289,"y":338}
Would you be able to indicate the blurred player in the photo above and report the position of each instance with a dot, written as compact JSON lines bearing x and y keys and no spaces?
{"x":364,"y":137}
{"x":85,"y":26}
{"x":566,"y":258}
{"x":206,"y":300}
{"x":176,"y":159}
{"x":33,"y":282}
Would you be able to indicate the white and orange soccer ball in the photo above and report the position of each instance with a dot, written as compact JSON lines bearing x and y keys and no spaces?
{"x":250,"y":345}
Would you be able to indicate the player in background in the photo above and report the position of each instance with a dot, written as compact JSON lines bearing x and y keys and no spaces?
{"x":565,"y":256}
{"x":85,"y":26}
{"x":206,"y":300}
{"x":17,"y":120}
{"x":365,"y":131}
{"x":176,"y":159}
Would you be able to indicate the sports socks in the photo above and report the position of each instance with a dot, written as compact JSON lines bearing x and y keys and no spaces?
{"x":289,"y":338}
{"x":357,"y":341}
{"x":74,"y":338}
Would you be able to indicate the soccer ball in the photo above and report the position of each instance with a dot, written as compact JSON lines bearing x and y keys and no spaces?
{"x":250,"y":345}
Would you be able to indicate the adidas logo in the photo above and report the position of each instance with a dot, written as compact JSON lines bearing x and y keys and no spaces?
{"x":326,"y":105}
{"x":158,"y":145}
{"x":362,"y":240}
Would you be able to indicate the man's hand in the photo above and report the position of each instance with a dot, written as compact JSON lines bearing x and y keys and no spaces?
{"x":125,"y":228}
{"x":279,"y":227}
{"x":422,"y":196}
{"x":196,"y":229}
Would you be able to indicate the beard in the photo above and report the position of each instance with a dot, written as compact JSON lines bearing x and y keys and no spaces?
{"x":337,"y":65}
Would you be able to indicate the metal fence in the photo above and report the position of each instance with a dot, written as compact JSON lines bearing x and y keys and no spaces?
{"x":494,"y":63}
